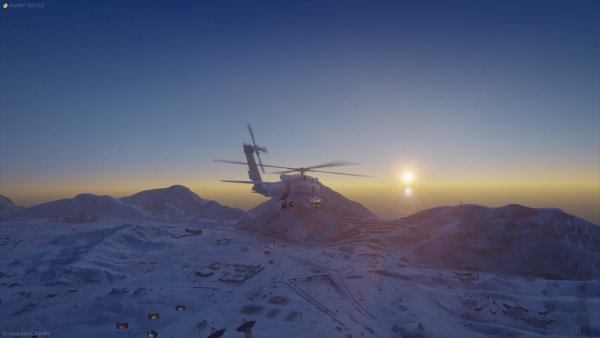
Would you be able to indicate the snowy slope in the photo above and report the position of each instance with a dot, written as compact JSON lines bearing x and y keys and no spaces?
{"x":299,"y":224}
{"x":168,"y":203}
{"x":336,"y":204}
{"x":509,"y":239}
{"x":334,"y":221}
{"x":8,"y":207}
{"x":68,"y":281}
{"x":467,"y":271}
{"x":333,"y":203}
{"x":90,"y":204}
{"x":178,"y":200}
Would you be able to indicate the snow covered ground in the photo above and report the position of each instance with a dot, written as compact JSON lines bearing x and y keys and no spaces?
{"x":379,"y":280}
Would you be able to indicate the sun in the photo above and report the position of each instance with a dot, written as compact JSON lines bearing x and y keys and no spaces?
{"x":407,"y":177}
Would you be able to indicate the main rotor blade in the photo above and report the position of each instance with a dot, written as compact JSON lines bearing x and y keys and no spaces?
{"x":332,"y":164}
{"x":246,"y":163}
{"x":337,"y":173}
{"x":228,"y":161}
{"x":256,"y":148}
{"x":276,"y":166}
{"x":291,"y":170}
{"x":251,"y":134}
{"x":284,"y":171}
{"x":317,"y":171}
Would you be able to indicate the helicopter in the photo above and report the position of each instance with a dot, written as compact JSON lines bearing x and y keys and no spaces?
{"x":292,"y":188}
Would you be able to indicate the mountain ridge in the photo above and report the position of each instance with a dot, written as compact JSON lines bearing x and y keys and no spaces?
{"x":8,"y":207}
{"x":172,"y":202}
{"x":180,"y":201}
{"x":544,"y":241}
{"x":301,"y":223}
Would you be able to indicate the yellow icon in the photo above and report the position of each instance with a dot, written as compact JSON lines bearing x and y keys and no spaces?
{"x":5,"y":5}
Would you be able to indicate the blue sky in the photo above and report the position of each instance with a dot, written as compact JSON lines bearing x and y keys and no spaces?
{"x":112,"y":97}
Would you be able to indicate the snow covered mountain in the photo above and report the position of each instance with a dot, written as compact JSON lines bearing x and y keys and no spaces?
{"x":333,"y":203}
{"x":512,"y":239}
{"x":465,"y":271}
{"x":304,"y":224}
{"x":336,"y":204}
{"x":509,"y":239}
{"x":89,"y":204}
{"x":178,"y":200}
{"x":172,"y":202}
{"x":300,"y":224}
{"x":95,"y":255}
{"x":8,"y":207}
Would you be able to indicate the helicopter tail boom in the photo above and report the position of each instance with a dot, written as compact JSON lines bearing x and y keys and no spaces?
{"x":253,"y":172}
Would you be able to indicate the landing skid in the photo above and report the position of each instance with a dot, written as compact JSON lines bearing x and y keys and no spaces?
{"x":287,"y":204}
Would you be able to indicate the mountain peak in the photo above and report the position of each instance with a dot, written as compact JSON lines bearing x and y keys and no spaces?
{"x":8,"y":207}
{"x":302,"y":223}
{"x":333,"y":203}
{"x":179,"y":200}
{"x":178,"y":187}
{"x":104,"y":206}
{"x":493,"y":239}
{"x":87,"y":195}
{"x":5,"y":200}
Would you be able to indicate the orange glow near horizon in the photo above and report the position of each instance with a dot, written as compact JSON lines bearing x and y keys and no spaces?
{"x":579,"y":197}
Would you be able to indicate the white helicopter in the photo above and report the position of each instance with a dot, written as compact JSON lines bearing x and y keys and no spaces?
{"x":292,"y":188}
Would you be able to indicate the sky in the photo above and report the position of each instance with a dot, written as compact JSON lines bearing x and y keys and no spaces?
{"x":485,"y":102}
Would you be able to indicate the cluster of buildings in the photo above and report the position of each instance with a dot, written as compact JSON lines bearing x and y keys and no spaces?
{"x":81,"y":218}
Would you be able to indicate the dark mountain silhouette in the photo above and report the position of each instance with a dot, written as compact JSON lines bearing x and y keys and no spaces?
{"x":8,"y":207}
{"x":512,"y":239}
{"x":178,"y":200}
{"x":90,"y":204}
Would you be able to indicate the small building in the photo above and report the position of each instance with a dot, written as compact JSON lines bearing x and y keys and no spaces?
{"x":215,"y":266}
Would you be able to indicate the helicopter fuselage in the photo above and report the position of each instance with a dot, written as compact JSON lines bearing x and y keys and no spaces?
{"x":292,"y":189}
